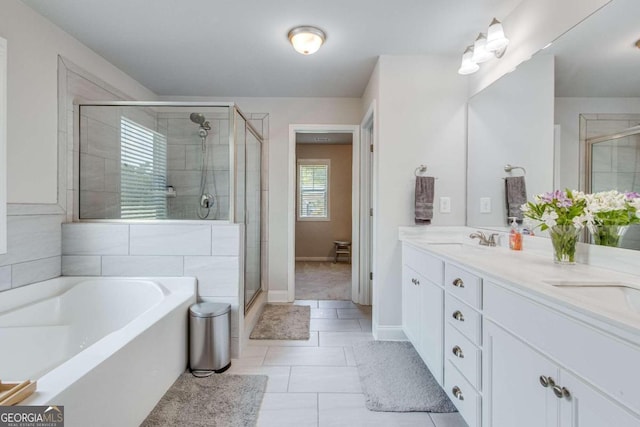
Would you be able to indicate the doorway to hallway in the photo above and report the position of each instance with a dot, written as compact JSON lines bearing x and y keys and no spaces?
{"x":323,"y":215}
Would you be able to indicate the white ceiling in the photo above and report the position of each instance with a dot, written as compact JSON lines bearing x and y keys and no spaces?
{"x":598,"y":58}
{"x":240,"y":48}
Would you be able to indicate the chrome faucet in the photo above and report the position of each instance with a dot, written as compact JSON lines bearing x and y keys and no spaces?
{"x":484,"y":241}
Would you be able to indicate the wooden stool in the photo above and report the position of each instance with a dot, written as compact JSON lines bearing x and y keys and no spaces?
{"x":343,"y":248}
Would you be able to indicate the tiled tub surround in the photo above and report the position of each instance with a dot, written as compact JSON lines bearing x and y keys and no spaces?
{"x":211,"y":252}
{"x":33,"y":248}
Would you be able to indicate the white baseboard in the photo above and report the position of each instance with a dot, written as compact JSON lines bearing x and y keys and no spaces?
{"x":278,"y":296}
{"x":389,"y":333}
{"x":314,"y":258}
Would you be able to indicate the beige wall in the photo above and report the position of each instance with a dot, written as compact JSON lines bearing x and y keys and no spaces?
{"x":314,"y":239}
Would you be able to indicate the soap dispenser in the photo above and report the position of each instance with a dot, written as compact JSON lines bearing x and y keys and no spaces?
{"x":515,"y":236}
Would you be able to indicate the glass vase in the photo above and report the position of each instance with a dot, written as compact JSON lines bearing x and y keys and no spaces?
{"x":564,"y":239}
{"x":608,"y":235}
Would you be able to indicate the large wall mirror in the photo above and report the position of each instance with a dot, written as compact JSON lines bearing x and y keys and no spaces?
{"x":569,"y":117}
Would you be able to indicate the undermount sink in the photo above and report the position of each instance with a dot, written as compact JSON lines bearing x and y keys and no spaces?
{"x":614,"y":294}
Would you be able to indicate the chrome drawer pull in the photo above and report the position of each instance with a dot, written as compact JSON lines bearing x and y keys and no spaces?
{"x":458,"y":283}
{"x":458,"y":316}
{"x":458,"y":352}
{"x":561,"y":392}
{"x":457,"y":393}
{"x":547,"y":381}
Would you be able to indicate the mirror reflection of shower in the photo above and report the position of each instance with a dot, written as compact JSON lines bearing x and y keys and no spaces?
{"x":207,"y":199}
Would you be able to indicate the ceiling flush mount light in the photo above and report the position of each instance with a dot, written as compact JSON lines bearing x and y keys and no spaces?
{"x":492,"y":45}
{"x":307,"y":40}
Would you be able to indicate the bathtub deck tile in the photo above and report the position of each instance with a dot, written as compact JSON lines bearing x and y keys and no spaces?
{"x":78,"y":265}
{"x":35,"y":271}
{"x":5,"y":278}
{"x":142,"y":266}
{"x":170,"y":239}
{"x":95,"y":239}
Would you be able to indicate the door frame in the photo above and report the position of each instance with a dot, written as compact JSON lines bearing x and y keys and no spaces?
{"x":354,"y":130}
{"x":368,"y":136}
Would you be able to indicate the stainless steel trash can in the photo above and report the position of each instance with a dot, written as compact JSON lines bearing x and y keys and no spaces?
{"x":209,"y":338}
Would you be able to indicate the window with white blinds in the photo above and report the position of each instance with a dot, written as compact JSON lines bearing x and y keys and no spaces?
{"x":143,"y":175}
{"x":313,"y":189}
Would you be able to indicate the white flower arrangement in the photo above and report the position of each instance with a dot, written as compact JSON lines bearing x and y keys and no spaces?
{"x":612,"y":208}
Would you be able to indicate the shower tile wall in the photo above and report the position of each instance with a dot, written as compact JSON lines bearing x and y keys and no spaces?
{"x":184,"y":157}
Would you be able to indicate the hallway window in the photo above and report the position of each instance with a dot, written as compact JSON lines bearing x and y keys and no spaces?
{"x":313,"y":189}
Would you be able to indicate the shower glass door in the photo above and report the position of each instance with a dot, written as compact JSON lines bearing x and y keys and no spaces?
{"x":248,"y":203}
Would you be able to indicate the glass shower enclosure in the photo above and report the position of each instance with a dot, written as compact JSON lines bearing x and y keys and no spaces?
{"x":142,"y":162}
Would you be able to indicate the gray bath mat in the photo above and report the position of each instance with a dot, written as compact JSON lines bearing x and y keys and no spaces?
{"x":395,"y":379}
{"x":218,"y":400}
{"x":283,"y":322}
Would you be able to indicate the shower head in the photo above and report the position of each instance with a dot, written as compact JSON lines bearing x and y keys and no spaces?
{"x":197,"y":118}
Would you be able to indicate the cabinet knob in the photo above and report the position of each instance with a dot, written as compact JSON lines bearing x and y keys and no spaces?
{"x":457,"y":393}
{"x":547,"y":381}
{"x":458,"y":352}
{"x":458,"y":283}
{"x":561,"y":392}
{"x":458,"y":316}
{"x":417,"y":282}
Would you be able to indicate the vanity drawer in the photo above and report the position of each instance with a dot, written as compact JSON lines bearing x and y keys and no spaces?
{"x":464,"y":285}
{"x":427,"y":265}
{"x":466,"y":399}
{"x":464,"y":318}
{"x":463,"y":355}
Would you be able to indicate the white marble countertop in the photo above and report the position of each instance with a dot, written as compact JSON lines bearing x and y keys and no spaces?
{"x":530,"y":270}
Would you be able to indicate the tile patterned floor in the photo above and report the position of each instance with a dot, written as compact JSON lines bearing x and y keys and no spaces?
{"x":315,"y":383}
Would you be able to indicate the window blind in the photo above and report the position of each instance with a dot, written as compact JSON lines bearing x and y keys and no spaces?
{"x":143,"y":174}
{"x":314,"y":188}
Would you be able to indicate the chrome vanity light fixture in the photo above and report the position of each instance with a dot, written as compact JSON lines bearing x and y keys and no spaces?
{"x":485,"y":47}
{"x":306,"y":39}
{"x":468,"y":66}
{"x":496,"y":40}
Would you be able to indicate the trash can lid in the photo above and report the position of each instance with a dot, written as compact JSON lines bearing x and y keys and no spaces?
{"x":209,"y":309}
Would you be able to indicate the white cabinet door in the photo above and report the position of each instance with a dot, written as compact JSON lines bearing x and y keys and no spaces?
{"x":422,"y":322}
{"x":432,"y":328}
{"x":513,"y":391}
{"x":411,"y":305}
{"x":583,"y":406}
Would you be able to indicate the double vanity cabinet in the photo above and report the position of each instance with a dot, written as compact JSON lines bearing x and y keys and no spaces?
{"x":508,"y":355}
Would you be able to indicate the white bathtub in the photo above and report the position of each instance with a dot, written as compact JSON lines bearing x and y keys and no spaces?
{"x":105,"y":348}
